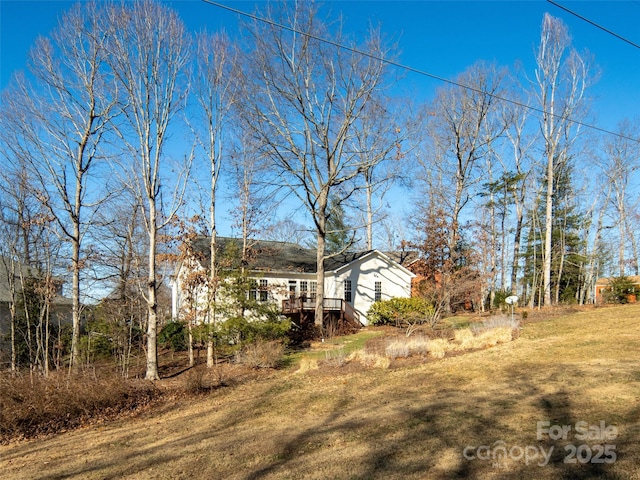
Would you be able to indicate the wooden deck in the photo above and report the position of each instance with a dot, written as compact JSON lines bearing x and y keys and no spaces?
{"x":338,"y":316}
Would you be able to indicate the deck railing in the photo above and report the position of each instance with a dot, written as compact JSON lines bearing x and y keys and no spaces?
{"x":300,"y":304}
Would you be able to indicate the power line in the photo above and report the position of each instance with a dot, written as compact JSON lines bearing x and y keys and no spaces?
{"x":610,"y":32}
{"x":415,"y":70}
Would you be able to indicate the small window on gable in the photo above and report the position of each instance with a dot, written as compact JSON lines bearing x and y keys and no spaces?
{"x":378,"y":291}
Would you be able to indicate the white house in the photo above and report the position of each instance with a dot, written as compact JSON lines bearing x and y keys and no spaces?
{"x":285,"y":272}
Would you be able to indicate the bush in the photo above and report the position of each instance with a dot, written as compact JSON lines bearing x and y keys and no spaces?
{"x":619,"y":290}
{"x":499,"y":299}
{"x":261,"y":354}
{"x":240,"y":330}
{"x":173,"y":335}
{"x":402,"y":312}
{"x":108,"y":338}
{"x":35,"y":405}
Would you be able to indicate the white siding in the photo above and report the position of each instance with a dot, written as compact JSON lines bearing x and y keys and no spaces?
{"x":363,"y":273}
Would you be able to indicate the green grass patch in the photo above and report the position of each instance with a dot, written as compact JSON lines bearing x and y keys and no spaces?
{"x":321,"y":350}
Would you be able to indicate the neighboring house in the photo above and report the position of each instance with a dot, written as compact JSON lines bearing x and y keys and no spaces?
{"x":604,"y":284}
{"x":285,"y":273}
{"x":61,"y":305}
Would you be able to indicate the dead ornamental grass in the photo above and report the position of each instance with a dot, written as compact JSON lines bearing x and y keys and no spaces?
{"x":405,"y":423}
{"x":488,"y":334}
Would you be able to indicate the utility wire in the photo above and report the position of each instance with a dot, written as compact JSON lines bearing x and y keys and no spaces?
{"x":610,"y":32}
{"x":415,"y":70}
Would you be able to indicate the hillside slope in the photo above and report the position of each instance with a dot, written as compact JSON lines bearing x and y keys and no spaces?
{"x":488,"y":414}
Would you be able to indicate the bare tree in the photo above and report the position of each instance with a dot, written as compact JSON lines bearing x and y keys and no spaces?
{"x":380,"y":136}
{"x":462,"y":128}
{"x":254,"y":198}
{"x":149,"y":54}
{"x":214,"y":87}
{"x":518,"y":172}
{"x":28,"y":246}
{"x":620,"y":162}
{"x":303,"y":98}
{"x":561,"y":80}
{"x":468,"y":130}
{"x":15,"y":240}
{"x":119,"y":263}
{"x":66,"y":116}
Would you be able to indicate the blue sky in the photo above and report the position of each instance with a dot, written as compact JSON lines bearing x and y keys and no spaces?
{"x":440,"y":37}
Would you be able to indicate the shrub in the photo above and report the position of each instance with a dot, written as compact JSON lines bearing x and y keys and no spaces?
{"x":109,"y":338}
{"x":35,"y":405}
{"x":619,"y":290}
{"x":173,"y":335}
{"x":261,"y":354}
{"x":402,"y":312}
{"x":240,"y":330}
{"x":195,"y":381}
{"x":335,"y":358}
{"x":499,"y":299}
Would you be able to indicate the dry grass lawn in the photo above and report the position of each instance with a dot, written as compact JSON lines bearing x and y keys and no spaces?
{"x":414,"y":421}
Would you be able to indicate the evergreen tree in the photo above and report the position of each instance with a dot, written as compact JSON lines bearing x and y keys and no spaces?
{"x":567,"y":261}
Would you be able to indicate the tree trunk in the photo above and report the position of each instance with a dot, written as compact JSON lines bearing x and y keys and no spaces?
{"x":369,"y":213}
{"x":516,"y":253}
{"x":152,"y":303}
{"x":622,"y":232}
{"x":320,"y":279}
{"x":75,"y":300}
{"x":548,"y":229}
{"x":190,"y":346}
{"x":634,"y":248}
{"x":212,"y":283}
{"x":560,"y":268}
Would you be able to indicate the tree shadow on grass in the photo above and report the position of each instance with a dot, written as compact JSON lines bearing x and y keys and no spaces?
{"x":420,"y":431}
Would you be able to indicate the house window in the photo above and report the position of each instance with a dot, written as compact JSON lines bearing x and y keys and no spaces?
{"x":264,"y":292}
{"x":313,"y":290}
{"x":347,"y":291}
{"x":253,"y":290}
{"x":292,"y":288}
{"x":304,"y":289}
{"x":378,"y":291}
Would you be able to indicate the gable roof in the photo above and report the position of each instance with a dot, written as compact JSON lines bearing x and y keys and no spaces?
{"x":5,"y":271}
{"x":380,"y":254}
{"x":270,"y":256}
{"x":26,"y":272}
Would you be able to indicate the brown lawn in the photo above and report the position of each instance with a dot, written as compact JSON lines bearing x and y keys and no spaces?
{"x":435,"y":420}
